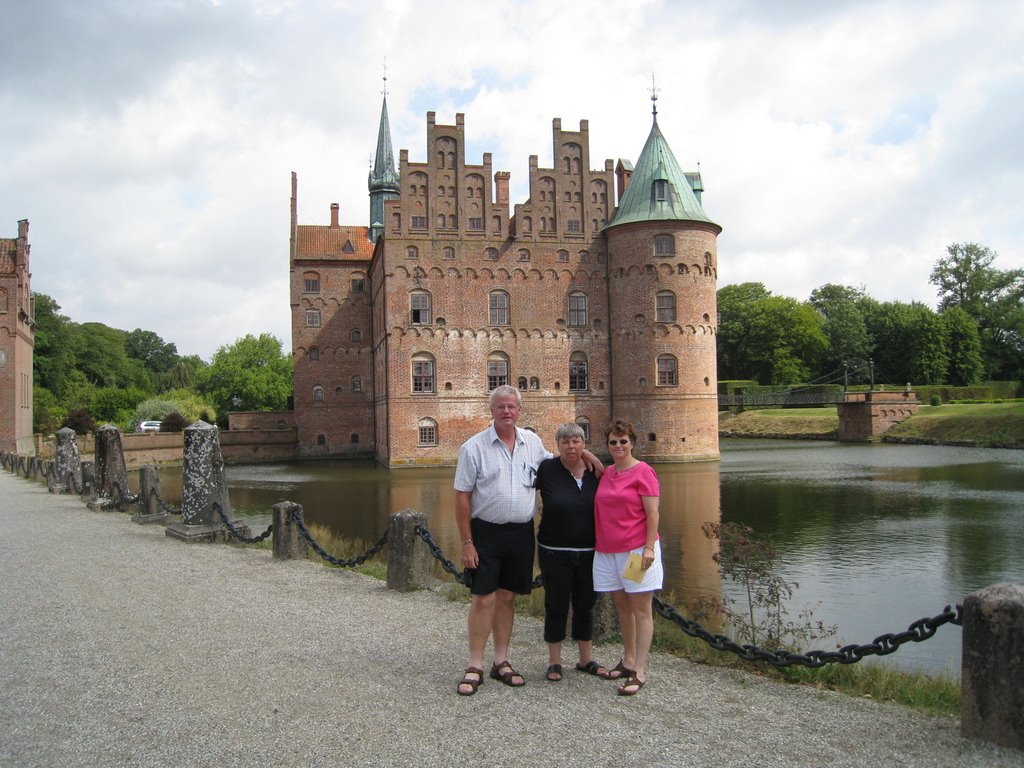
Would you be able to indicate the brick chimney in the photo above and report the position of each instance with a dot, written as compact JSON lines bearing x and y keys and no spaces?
{"x":334,"y":215}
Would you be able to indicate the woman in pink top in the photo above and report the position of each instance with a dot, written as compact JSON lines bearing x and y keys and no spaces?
{"x":626,"y":523}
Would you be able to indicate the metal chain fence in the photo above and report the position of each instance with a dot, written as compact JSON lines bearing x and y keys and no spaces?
{"x":235,"y":533}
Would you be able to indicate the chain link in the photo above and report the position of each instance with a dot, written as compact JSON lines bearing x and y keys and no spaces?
{"x":164,"y":506}
{"x":123,"y":499}
{"x":235,"y":533}
{"x":340,"y":562}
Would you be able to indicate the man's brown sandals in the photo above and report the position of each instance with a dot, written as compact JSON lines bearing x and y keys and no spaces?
{"x":503,"y":671}
{"x":471,"y":682}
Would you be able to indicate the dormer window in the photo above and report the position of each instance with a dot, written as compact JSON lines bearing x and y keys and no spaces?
{"x":661,"y":192}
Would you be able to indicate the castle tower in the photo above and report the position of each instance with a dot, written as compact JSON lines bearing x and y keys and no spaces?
{"x":383,"y":181}
{"x":17,"y":340}
{"x":662,"y":273}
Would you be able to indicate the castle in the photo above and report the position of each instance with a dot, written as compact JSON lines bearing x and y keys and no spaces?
{"x":400,"y":328}
{"x":17,"y":340}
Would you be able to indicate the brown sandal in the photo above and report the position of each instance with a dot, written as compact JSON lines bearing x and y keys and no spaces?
{"x":506,"y":676}
{"x":630,"y":682}
{"x":474,"y":684}
{"x":618,"y":672}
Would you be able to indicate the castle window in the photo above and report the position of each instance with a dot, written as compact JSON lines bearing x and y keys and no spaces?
{"x":412,"y":252}
{"x":427,"y":432}
{"x":661,"y":192}
{"x":354,"y":438}
{"x":534,"y":382}
{"x":419,"y":303}
{"x":497,"y":370}
{"x":311,"y":282}
{"x":357,"y":384}
{"x":418,"y":222}
{"x":527,"y":224}
{"x":318,"y":394}
{"x":452,"y":221}
{"x":584,"y":423}
{"x":356,"y":336}
{"x":314,"y":353}
{"x":577,"y":309}
{"x":498,"y":308}
{"x":668,"y":372}
{"x":312,"y":318}
{"x":476,"y":222}
{"x":524,"y":255}
{"x":578,"y":372}
{"x":522,"y":383}
{"x":666,"y":307}
{"x":396,"y":222}
{"x":321,"y":440}
{"x":423,"y":372}
{"x":584,"y":257}
{"x":664,"y":245}
{"x":563,"y":256}
{"x":491,"y":254}
{"x":358,"y":285}
{"x":573,"y":226}
{"x":441,"y":221}
{"x":449,"y":252}
{"x":496,"y":224}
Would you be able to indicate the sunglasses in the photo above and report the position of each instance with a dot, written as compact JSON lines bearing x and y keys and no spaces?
{"x":623,"y":441}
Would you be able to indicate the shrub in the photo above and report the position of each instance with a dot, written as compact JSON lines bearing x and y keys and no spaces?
{"x":173,"y":422}
{"x":935,"y":400}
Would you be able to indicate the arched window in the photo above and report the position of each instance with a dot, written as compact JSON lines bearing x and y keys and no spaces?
{"x":584,"y":423}
{"x":357,"y":384}
{"x":423,"y":372}
{"x":664,"y":245}
{"x":491,"y":254}
{"x":498,"y":308}
{"x":522,"y":383}
{"x":314,"y":353}
{"x":578,"y":373}
{"x":497,"y":370}
{"x":311,"y":282}
{"x":412,"y":252}
{"x":666,"y":307}
{"x":584,"y":257}
{"x":356,"y":336}
{"x":668,"y":372}
{"x":449,"y":252}
{"x":534,"y":382}
{"x":427,"y":432}
{"x":318,"y":394}
{"x":321,"y":440}
{"x":419,"y":305}
{"x":312,"y":318}
{"x":577,"y":308}
{"x":524,"y":254}
{"x":563,"y":255}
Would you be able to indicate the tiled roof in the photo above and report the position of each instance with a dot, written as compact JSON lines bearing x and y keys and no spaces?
{"x":334,"y":243}
{"x":657,"y":163}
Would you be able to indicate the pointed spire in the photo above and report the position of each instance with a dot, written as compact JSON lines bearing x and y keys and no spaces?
{"x":654,"y":98}
{"x":383,"y":180}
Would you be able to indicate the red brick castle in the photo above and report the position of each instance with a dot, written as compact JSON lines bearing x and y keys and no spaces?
{"x":400,"y":328}
{"x":17,"y":340}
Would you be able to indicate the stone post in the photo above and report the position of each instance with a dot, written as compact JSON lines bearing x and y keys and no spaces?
{"x":111,"y":471}
{"x":992,"y":670}
{"x":203,"y":485}
{"x":66,"y":462}
{"x":289,"y":543}
{"x":88,"y":481}
{"x":408,"y":557}
{"x":149,"y":510}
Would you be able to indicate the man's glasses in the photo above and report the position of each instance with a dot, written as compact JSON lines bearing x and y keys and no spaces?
{"x":623,"y":441}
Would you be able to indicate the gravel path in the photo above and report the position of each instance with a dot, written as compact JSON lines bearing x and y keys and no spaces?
{"x":122,"y":647}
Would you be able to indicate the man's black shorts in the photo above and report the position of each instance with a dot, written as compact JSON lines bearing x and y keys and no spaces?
{"x":505,"y":552}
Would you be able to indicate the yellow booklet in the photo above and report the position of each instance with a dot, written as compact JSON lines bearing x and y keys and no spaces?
{"x":634,"y":568}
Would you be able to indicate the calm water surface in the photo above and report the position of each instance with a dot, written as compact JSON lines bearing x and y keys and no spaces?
{"x":876,"y":536}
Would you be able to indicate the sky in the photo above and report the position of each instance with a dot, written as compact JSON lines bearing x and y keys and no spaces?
{"x":150,"y":143}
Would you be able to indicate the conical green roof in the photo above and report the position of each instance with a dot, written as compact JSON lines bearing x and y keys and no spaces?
{"x":658,"y":190}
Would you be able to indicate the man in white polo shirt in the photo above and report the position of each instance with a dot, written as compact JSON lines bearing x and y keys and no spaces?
{"x":495,"y":503}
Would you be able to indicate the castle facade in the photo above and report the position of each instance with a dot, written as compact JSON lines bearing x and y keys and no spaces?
{"x":596,"y":297}
{"x":17,"y":340}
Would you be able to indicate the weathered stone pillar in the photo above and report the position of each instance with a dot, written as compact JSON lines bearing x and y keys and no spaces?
{"x":408,"y":557}
{"x":288,"y":542}
{"x":992,"y":670}
{"x":88,"y":481}
{"x":150,"y":510}
{"x":203,"y":485}
{"x":111,"y":471}
{"x":67,"y":464}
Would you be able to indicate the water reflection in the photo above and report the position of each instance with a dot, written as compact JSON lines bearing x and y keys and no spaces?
{"x":875,"y":535}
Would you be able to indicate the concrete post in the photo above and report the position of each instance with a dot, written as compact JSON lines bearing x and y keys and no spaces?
{"x":992,"y":670}
{"x":149,"y":510}
{"x":409,"y":558}
{"x":88,"y":480}
{"x":288,"y":542}
{"x":203,"y":484}
{"x":66,"y":462}
{"x":110,"y":468}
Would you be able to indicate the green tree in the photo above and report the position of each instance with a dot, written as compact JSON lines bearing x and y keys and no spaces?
{"x":910,"y":343}
{"x":54,"y":353}
{"x":844,"y":326}
{"x":967,"y":278}
{"x":735,"y":306}
{"x":115,"y":405}
{"x":47,"y":412}
{"x":253,"y":374}
{"x":966,"y":367}
{"x":184,"y":373}
{"x":786,"y":341}
{"x":156,"y":354}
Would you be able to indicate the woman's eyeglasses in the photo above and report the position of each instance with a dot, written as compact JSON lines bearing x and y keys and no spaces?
{"x":623,"y":441}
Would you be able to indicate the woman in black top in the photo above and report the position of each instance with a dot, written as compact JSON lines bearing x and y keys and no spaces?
{"x":566,"y":550}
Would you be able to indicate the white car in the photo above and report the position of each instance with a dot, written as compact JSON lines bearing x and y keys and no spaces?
{"x":148,"y":426}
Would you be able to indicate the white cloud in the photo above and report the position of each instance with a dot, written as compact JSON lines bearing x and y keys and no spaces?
{"x":839,"y":142}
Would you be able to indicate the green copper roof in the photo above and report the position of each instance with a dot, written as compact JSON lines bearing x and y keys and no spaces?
{"x":384,"y":176}
{"x":659,"y":190}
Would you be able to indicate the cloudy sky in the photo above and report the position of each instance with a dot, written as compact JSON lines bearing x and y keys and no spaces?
{"x":150,"y":142}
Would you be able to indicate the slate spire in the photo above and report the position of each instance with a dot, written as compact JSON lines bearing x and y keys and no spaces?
{"x":383,"y":179}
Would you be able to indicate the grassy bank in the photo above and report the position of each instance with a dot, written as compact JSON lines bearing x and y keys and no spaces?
{"x":985,"y":425}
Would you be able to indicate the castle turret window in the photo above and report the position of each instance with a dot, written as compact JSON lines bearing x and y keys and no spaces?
{"x":312,"y":318}
{"x":584,"y":423}
{"x":497,"y":370}
{"x":498,"y":308}
{"x":419,"y":302}
{"x":664,"y":245}
{"x":357,"y":384}
{"x":318,"y":394}
{"x":311,"y":282}
{"x":577,"y":309}
{"x":427,"y":432}
{"x":423,"y":372}
{"x":668,"y":372}
{"x":666,"y":307}
{"x":578,"y":373}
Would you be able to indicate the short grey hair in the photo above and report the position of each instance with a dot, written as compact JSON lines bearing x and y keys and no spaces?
{"x":505,"y":391}
{"x":569,"y":431}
